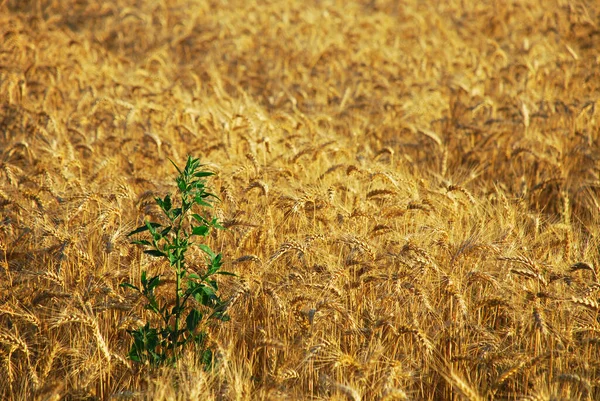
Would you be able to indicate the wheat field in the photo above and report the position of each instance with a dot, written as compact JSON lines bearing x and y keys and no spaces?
{"x":410,"y":190}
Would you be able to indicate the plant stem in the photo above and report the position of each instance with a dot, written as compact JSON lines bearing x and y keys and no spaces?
{"x":178,"y":270}
{"x":177,"y":306}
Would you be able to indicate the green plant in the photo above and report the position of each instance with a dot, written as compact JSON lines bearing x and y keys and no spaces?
{"x":182,"y":320}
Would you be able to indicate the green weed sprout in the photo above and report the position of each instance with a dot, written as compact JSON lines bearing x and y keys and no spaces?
{"x":196,"y":301}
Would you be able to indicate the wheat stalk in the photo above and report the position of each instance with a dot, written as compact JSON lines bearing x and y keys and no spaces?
{"x":88,"y":322}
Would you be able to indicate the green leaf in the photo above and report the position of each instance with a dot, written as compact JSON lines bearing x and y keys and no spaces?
{"x":143,"y":228}
{"x":172,"y":258}
{"x":134,"y":355}
{"x":152,"y":227}
{"x":152,"y":305}
{"x":144,"y":345}
{"x":207,"y":250}
{"x":155,"y":252}
{"x":201,"y":293}
{"x":226,"y":274}
{"x":165,"y":204}
{"x":206,"y":296}
{"x":194,"y":288}
{"x":213,"y":268}
{"x":203,"y":174}
{"x":142,"y":242}
{"x":207,"y":359}
{"x":153,"y":283}
{"x":173,"y":163}
{"x":191,"y":165}
{"x":129,"y":285}
{"x":194,"y":276}
{"x":193,"y":319}
{"x":209,"y":195}
{"x":200,"y":201}
{"x":215,"y":223}
{"x":150,"y":337}
{"x":200,"y":230}
{"x":215,"y":264}
{"x":199,"y":218}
